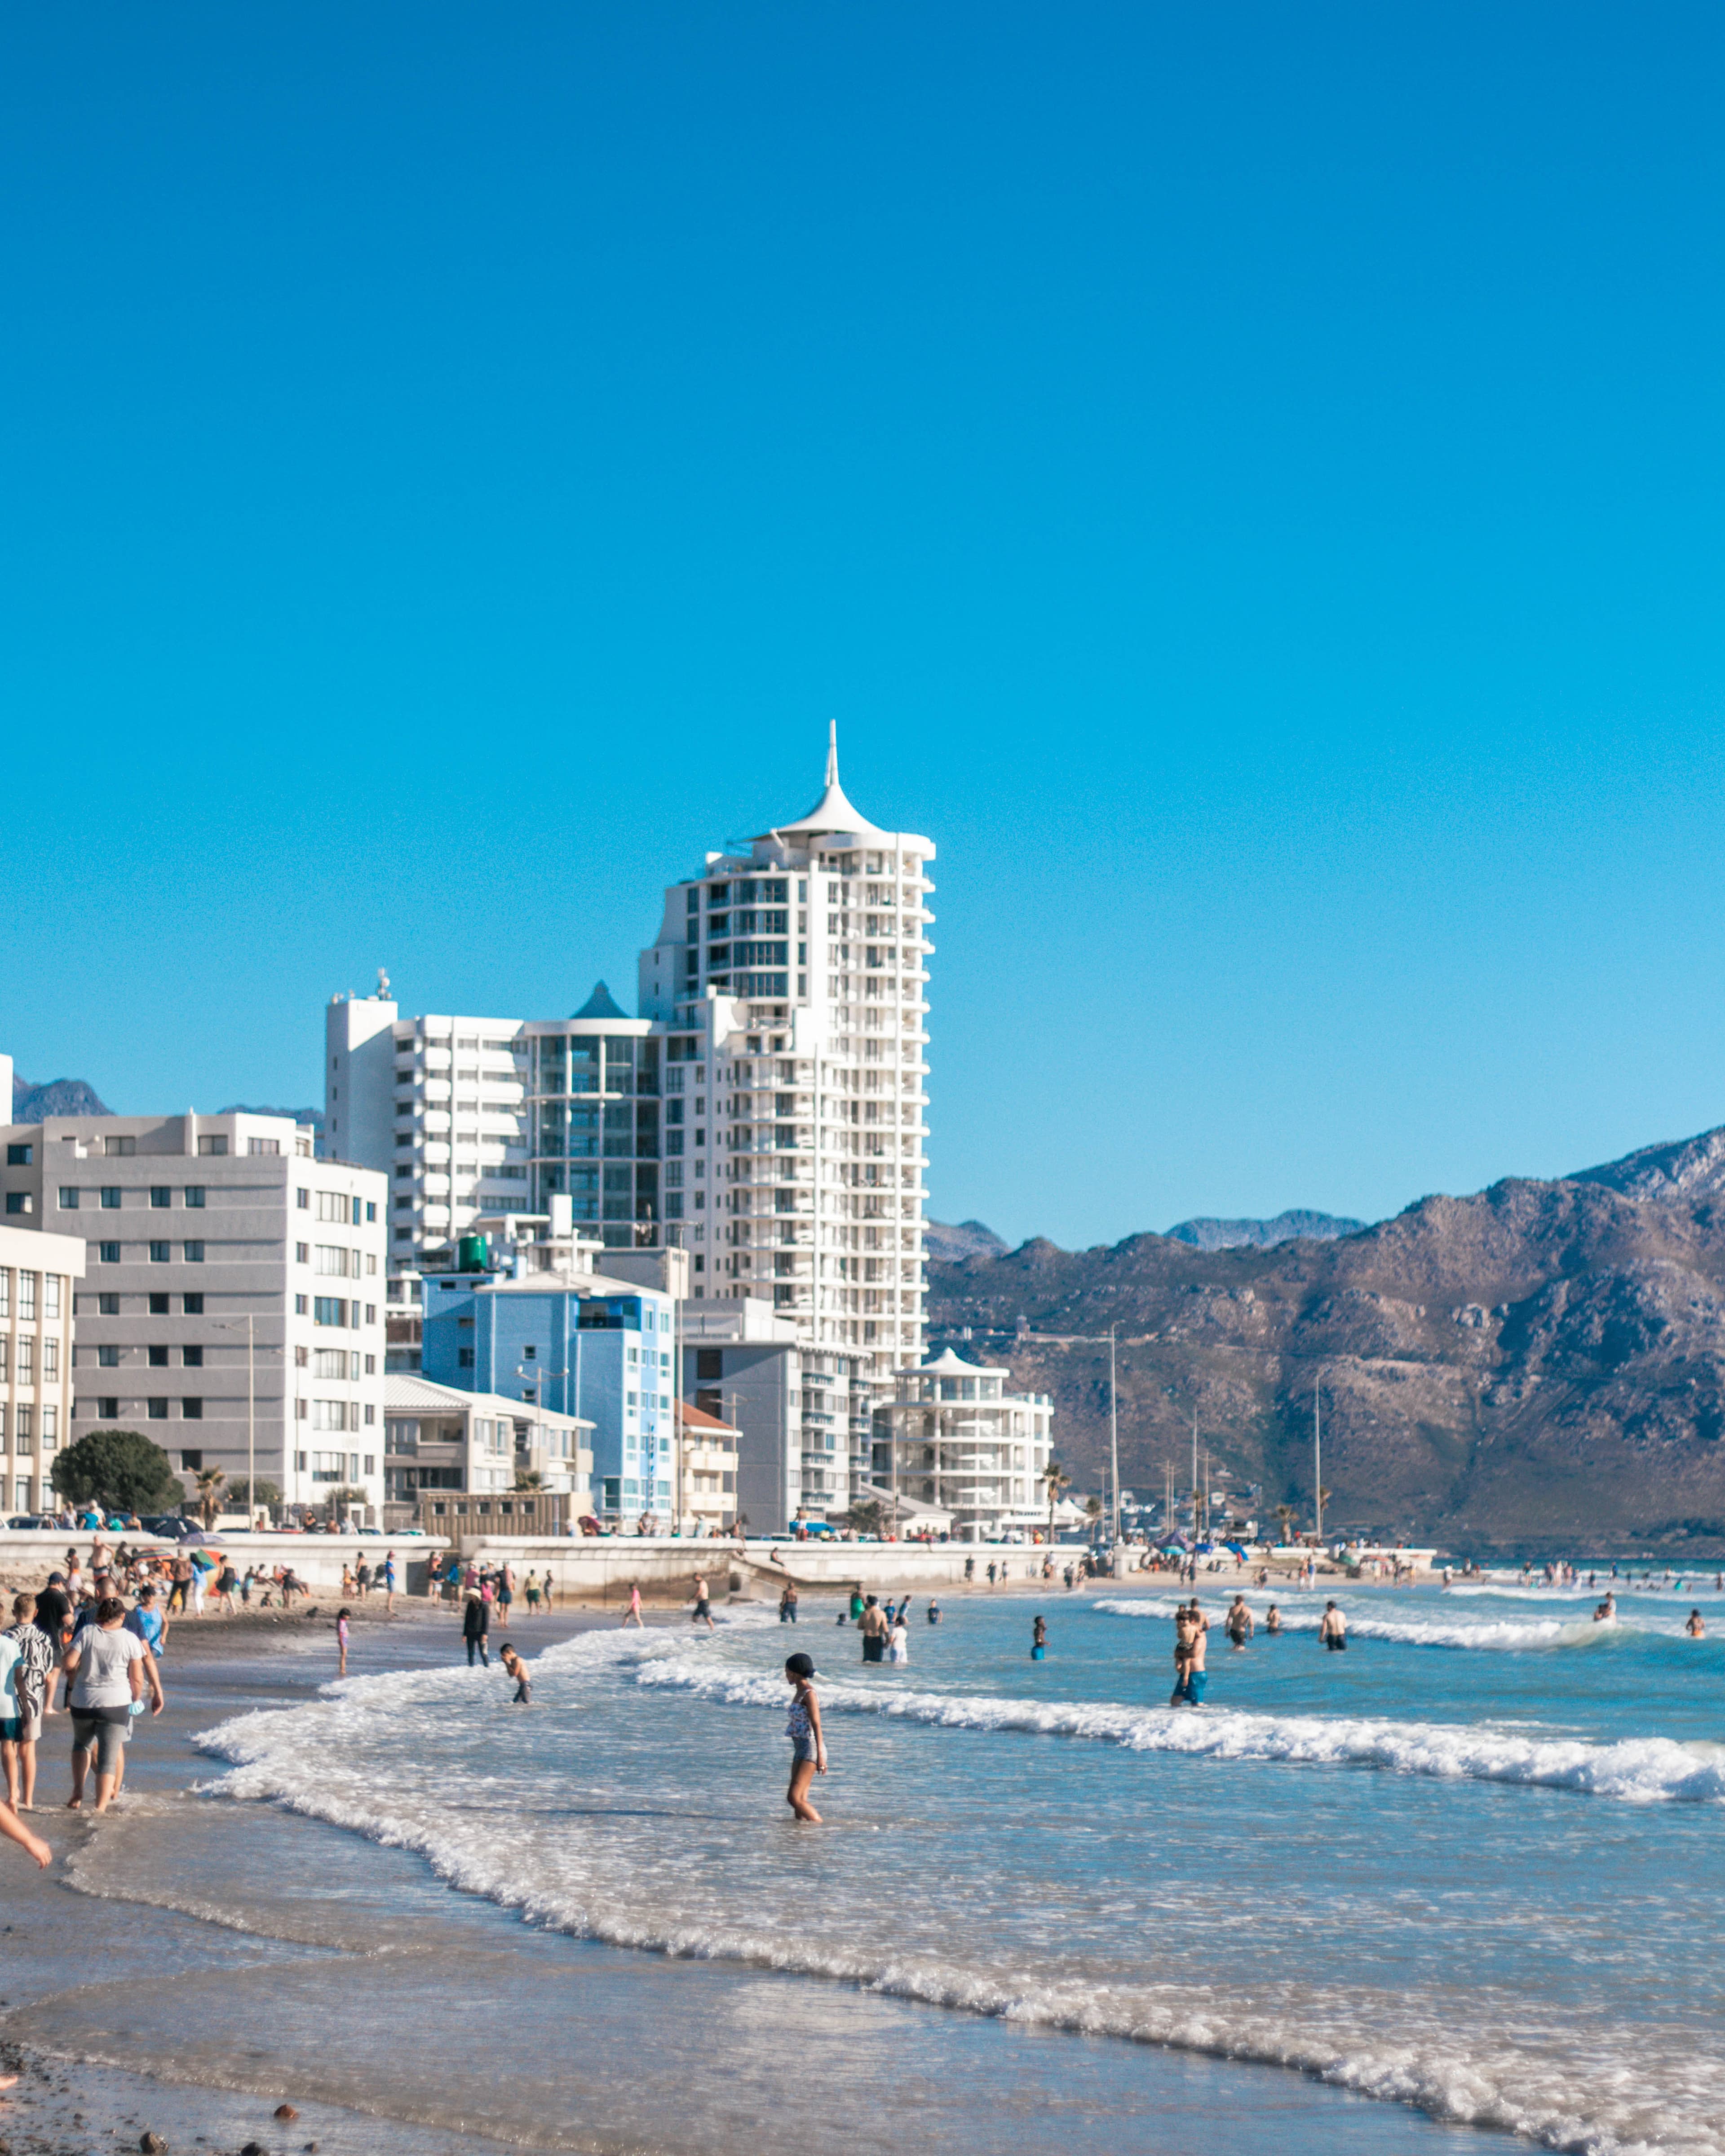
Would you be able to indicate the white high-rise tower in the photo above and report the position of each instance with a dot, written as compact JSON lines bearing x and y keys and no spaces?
{"x":789,"y":983}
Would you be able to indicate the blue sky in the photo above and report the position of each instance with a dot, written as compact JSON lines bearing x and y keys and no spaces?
{"x":1246,"y":481}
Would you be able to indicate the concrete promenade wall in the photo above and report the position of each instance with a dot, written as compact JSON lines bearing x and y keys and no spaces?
{"x":603,"y":1569}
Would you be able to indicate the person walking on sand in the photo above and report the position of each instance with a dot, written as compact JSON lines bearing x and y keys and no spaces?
{"x":808,"y":1746}
{"x":1238,"y":1623}
{"x":30,"y":1681}
{"x":110,"y":1669}
{"x":703,"y":1603}
{"x":632,"y":1615}
{"x":517,"y":1668}
{"x":389,"y":1583}
{"x":1332,"y":1630}
{"x":475,"y":1630}
{"x":342,"y":1617}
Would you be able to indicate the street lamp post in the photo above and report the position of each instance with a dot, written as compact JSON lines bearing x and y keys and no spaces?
{"x":231,"y":1325}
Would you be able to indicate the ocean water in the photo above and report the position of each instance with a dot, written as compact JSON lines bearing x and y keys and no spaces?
{"x":1472,"y":1868}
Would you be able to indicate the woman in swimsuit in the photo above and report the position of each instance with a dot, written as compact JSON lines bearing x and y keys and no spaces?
{"x":808,"y":1746}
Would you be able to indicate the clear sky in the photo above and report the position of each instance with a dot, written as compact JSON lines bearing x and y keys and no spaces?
{"x":1247,"y":481}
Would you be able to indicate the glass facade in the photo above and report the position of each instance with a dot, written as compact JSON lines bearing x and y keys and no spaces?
{"x":594,"y":1116}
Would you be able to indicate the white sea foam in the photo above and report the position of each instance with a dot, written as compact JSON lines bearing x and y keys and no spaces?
{"x":1636,"y":1770}
{"x":358,"y":1757}
{"x":1506,"y":1634}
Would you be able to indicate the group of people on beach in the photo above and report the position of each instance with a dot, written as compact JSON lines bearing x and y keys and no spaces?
{"x":78,"y":1645}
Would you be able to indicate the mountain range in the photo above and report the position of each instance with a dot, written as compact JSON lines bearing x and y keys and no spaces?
{"x":1539,"y":1367}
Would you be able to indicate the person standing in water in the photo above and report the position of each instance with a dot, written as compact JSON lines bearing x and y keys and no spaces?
{"x":341,"y":1617}
{"x":1696,"y":1627}
{"x":632,"y":1615}
{"x":703,"y":1603}
{"x":808,"y":1746}
{"x":1606,"y":1614}
{"x":475,"y":1630}
{"x":1238,"y":1623}
{"x":933,"y":1611}
{"x":1333,"y":1629}
{"x":1038,"y":1639}
{"x":1272,"y":1621}
{"x":787,"y":1603}
{"x":517,"y":1668}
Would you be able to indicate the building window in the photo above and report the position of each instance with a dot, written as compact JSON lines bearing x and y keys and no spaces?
{"x":68,"y":1199}
{"x":158,"y":1358}
{"x":18,"y":1201}
{"x":108,"y":1305}
{"x":18,"y":1156}
{"x":329,"y":1310}
{"x":192,"y":1410}
{"x":261,"y":1146}
{"x":299,"y":1305}
{"x":302,"y":1254}
{"x":194,"y":1254}
{"x":194,"y":1196}
{"x":212,"y":1148}
{"x":161,"y":1197}
{"x":108,"y":1358}
{"x":191,"y":1462}
{"x":110,"y":1197}
{"x":191,"y":1359}
{"x":109,"y":1253}
{"x":371,"y":1210}
{"x":108,"y":1407}
{"x":158,"y":1410}
{"x":158,"y":1254}
{"x":302,"y":1199}
{"x":192,"y":1304}
{"x":159,"y":1305}
{"x":119,"y":1148}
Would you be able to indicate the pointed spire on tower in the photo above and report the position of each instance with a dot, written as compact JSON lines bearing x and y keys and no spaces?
{"x":832,"y":753}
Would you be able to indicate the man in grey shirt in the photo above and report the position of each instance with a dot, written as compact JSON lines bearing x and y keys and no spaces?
{"x":109,"y":1668}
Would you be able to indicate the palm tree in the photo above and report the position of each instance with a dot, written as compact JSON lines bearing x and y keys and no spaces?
{"x":209,"y":1493}
{"x":1055,"y":1479}
{"x":529,"y":1478}
{"x":1285,"y":1513}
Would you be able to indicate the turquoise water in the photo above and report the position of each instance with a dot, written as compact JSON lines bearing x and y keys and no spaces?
{"x":1472,"y":1866}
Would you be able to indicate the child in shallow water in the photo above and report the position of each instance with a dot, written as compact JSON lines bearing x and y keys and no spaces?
{"x":517,"y":1668}
{"x":808,"y":1746}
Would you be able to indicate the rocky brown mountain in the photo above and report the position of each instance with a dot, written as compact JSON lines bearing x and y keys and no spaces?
{"x":1540,"y":1367}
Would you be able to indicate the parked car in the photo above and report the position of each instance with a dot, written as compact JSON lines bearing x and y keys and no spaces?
{"x":24,"y":1521}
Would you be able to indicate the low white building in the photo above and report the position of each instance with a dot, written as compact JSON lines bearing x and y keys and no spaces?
{"x":437,"y":1437}
{"x":953,"y":1437}
{"x":232,"y":1303}
{"x":39,"y":1278}
{"x":707,"y":1503}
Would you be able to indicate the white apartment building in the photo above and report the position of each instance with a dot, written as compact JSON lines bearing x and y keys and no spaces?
{"x":790,"y":982}
{"x":474,"y":1117}
{"x":231,"y":1307}
{"x":954,"y":1438}
{"x":39,"y":1278}
{"x":765,"y":1112}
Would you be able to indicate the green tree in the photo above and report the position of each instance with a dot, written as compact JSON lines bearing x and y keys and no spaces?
{"x":239,"y":1494}
{"x":120,"y":1469}
{"x":865,"y":1517}
{"x":529,"y":1478}
{"x":338,"y":1501}
{"x":209,"y":1493}
{"x":1056,"y":1481}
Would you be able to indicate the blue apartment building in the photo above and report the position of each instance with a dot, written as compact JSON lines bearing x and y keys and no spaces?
{"x":603,"y":1350}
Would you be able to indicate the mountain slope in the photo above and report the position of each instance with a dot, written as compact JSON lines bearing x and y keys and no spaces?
{"x":60,"y":1096}
{"x":1541,"y":1364}
{"x":1208,"y":1235}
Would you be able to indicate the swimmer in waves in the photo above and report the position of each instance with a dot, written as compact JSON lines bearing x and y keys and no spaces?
{"x":1606,"y":1614}
{"x":1697,"y":1626}
{"x":1272,"y":1621}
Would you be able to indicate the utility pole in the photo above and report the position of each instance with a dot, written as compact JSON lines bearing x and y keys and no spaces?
{"x":1114,"y":1435}
{"x":1317,"y":1461}
{"x":1196,"y":1492}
